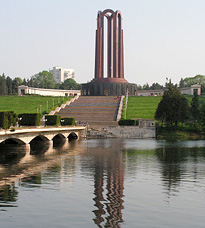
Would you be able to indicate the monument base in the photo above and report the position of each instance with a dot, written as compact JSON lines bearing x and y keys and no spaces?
{"x":108,"y":89}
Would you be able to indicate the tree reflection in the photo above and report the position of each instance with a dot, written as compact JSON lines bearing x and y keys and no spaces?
{"x":8,"y":195}
{"x":172,"y":168}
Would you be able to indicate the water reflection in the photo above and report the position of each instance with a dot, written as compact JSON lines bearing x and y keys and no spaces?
{"x":8,"y":196}
{"x":39,"y":146}
{"x":106,"y":166}
{"x":174,"y":161}
{"x":110,"y":164}
{"x":11,"y":153}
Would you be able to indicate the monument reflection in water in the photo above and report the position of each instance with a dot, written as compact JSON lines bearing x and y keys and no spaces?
{"x":108,"y":172}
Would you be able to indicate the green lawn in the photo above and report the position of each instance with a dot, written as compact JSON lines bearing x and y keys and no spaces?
{"x":145,"y":107}
{"x":141,"y":107}
{"x":30,"y":104}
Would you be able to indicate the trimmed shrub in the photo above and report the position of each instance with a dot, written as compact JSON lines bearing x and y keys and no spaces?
{"x":128,"y":122}
{"x":4,"y":120}
{"x":53,"y":120}
{"x":68,"y":121}
{"x":12,"y":118}
{"x":8,"y":119}
{"x":29,"y":119}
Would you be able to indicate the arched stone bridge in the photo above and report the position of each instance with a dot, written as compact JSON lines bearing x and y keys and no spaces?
{"x":25,"y":136}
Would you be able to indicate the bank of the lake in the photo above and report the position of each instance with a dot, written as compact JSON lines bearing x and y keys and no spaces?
{"x":163,"y":133}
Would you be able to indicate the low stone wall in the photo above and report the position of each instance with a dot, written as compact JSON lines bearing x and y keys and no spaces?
{"x":123,"y":132}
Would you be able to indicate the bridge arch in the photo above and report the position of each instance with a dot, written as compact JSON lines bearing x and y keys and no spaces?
{"x":72,"y":136}
{"x":39,"y":138}
{"x":59,"y":136}
{"x":14,"y":141}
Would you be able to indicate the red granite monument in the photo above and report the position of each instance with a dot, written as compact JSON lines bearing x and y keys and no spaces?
{"x":111,"y":82}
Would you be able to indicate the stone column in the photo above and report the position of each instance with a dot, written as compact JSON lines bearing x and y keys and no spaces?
{"x":110,"y":47}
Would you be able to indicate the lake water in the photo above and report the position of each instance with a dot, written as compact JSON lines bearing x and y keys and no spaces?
{"x":104,"y":183}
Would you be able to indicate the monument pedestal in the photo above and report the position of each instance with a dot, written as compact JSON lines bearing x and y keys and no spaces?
{"x":108,"y":89}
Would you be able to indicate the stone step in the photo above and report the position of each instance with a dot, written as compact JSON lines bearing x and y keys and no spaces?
{"x":97,"y":115}
{"x":90,"y":118}
{"x":91,"y":107}
{"x":105,"y":123}
{"x":96,"y":112}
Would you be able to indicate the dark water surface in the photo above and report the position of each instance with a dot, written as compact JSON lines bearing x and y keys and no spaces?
{"x":104,"y":183}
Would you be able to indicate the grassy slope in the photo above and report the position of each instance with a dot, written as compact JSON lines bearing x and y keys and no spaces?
{"x":142,"y":107}
{"x":145,"y":107}
{"x":29,"y":104}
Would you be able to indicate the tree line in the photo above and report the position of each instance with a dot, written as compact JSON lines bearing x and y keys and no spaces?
{"x":9,"y":86}
{"x":174,"y":109}
{"x":186,"y":82}
{"x":44,"y":79}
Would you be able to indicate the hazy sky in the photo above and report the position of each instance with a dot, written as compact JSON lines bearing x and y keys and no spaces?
{"x":162,"y":38}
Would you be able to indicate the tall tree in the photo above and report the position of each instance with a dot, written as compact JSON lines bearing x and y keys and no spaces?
{"x":156,"y":86}
{"x":173,"y":108}
{"x":9,"y":85}
{"x":181,"y":83}
{"x":44,"y":79}
{"x":3,"y":89}
{"x":70,"y":84}
{"x":195,"y":109}
{"x":15,"y":83}
{"x":146,"y":86}
{"x":202,"y":114}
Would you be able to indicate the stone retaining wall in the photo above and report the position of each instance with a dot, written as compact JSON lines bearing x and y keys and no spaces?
{"x":123,"y":132}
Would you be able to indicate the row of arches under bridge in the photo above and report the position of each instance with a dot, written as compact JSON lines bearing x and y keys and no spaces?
{"x":41,"y":138}
{"x":14,"y":150}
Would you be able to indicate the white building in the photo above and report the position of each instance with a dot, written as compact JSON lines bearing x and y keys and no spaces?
{"x":61,"y":74}
{"x":22,"y":89}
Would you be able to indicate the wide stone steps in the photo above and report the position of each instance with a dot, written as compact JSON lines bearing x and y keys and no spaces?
{"x":93,"y":111}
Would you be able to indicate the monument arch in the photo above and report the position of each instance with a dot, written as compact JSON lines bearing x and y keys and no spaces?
{"x":111,"y":82}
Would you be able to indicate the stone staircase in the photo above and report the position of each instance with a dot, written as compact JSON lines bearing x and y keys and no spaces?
{"x":95,"y":111}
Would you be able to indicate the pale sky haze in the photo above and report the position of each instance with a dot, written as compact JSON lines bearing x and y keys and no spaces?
{"x":162,"y":38}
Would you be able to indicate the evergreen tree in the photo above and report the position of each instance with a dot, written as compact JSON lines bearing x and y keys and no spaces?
{"x":24,"y":82}
{"x":3,"y":89}
{"x":15,"y":83}
{"x":195,"y":110}
{"x":9,"y":85}
{"x":173,"y":108}
{"x":202,"y":114}
{"x":181,"y":83}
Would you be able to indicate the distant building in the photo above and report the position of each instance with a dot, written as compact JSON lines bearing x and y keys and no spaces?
{"x":61,"y":74}
{"x":194,"y":89}
{"x":22,"y":89}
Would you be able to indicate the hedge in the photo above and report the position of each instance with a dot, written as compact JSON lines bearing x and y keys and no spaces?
{"x":67,"y":121}
{"x":128,"y":122}
{"x":29,"y":119}
{"x":52,"y":120}
{"x":7,"y":119}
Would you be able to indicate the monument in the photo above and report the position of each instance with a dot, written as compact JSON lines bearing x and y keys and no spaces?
{"x":114,"y":83}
